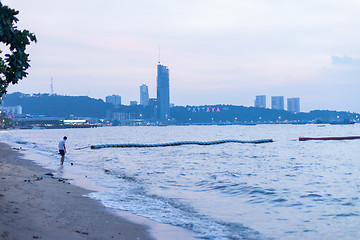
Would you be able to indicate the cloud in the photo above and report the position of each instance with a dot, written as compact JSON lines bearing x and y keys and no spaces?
{"x":345,"y":60}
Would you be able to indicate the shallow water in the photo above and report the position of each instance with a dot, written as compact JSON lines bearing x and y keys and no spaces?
{"x":282,"y":190}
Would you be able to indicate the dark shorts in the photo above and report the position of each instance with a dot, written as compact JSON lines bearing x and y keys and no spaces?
{"x":62,"y":152}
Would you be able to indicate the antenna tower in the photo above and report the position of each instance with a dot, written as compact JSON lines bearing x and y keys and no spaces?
{"x":52,"y":87}
{"x":159,"y":56}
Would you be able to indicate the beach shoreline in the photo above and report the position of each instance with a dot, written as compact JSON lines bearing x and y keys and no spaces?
{"x":34,"y":205}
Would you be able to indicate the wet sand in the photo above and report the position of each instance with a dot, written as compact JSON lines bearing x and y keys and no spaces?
{"x":37,"y":206}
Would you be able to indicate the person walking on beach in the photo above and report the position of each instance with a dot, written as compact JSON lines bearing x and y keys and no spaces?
{"x":62,"y":149}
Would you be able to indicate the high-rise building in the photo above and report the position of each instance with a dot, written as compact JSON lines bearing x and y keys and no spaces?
{"x":277,"y":102}
{"x":114,"y":99}
{"x":153,"y":108}
{"x":163,"y":93}
{"x":133,"y":103}
{"x":260,"y":101}
{"x":144,"y":95}
{"x":293,"y":105}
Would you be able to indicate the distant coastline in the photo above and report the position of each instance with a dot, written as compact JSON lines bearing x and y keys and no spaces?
{"x":38,"y":110}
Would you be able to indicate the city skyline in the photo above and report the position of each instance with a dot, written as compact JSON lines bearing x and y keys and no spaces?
{"x":278,"y":103}
{"x":227,"y":52}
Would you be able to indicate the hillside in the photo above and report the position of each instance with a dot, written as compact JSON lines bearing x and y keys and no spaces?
{"x":58,"y":106}
{"x":83,"y":106}
{"x":230,"y":113}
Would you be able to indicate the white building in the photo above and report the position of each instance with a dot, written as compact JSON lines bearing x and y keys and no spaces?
{"x":144,"y":95}
{"x":12,"y":110}
{"x":277,"y":102}
{"x":260,"y":101}
{"x":293,"y":105}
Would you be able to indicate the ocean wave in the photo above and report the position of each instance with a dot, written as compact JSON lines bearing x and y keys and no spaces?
{"x":174,"y":212}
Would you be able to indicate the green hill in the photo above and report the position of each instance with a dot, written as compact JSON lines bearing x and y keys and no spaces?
{"x":83,"y":106}
{"x":58,"y":106}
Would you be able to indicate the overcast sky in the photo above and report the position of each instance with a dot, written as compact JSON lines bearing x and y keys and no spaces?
{"x":224,"y":51}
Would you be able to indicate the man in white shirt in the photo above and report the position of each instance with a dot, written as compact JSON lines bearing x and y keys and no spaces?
{"x":62,"y":149}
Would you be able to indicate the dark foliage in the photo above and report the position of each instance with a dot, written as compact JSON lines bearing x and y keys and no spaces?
{"x":13,"y":67}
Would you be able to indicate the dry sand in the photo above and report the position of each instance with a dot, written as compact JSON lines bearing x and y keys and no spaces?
{"x":51,"y":208}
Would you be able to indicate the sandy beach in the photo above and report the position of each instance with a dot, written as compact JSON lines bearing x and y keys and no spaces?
{"x":34,"y":205}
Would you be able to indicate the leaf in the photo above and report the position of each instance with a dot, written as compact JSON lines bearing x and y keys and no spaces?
{"x":14,"y":66}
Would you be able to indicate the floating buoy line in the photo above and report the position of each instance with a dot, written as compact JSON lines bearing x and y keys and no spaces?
{"x":329,"y":138}
{"x":138,"y":145}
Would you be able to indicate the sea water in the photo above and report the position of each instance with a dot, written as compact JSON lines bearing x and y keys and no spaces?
{"x":286,"y":189}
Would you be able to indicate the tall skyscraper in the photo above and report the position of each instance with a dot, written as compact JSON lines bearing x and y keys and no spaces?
{"x":293,"y":105}
{"x":163,"y":93}
{"x":114,"y":99}
{"x":277,"y":102}
{"x":260,"y":101}
{"x":144,"y":95}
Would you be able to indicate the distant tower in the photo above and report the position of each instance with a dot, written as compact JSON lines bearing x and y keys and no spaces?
{"x":260,"y":101}
{"x":163,"y":93}
{"x":159,"y":56}
{"x":277,"y":102}
{"x":293,"y":105}
{"x":51,"y":87}
{"x":144,"y":95}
